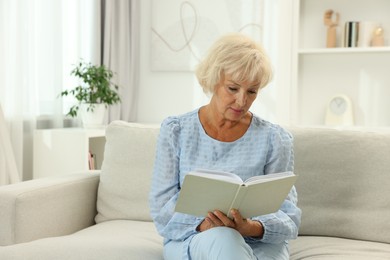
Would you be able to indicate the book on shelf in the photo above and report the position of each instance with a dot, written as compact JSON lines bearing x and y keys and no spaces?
{"x":204,"y":191}
{"x":91,"y":161}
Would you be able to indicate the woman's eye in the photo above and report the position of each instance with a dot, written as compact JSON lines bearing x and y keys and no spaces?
{"x":253,"y":92}
{"x":232,"y":89}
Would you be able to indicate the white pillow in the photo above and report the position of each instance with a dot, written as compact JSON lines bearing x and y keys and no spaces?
{"x":126,"y":172}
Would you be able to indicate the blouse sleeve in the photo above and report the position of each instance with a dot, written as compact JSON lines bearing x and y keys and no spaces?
{"x":282,"y":225}
{"x":166,"y":186}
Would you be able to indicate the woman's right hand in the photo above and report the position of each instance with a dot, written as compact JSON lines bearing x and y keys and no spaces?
{"x":215,"y":219}
{"x":246,"y":227}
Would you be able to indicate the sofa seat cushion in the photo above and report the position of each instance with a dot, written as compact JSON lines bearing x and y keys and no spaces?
{"x":114,"y":240}
{"x":313,"y":247}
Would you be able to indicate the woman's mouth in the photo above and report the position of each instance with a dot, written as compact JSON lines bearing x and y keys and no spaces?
{"x":236,"y":110}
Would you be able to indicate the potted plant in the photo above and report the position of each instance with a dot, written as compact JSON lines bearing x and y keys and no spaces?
{"x":94,"y":95}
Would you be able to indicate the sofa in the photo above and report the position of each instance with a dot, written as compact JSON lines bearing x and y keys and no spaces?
{"x":343,"y":189}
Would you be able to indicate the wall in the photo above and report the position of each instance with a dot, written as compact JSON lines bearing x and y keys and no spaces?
{"x":163,"y":94}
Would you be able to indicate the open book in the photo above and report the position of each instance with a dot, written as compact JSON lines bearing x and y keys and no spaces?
{"x":204,"y":191}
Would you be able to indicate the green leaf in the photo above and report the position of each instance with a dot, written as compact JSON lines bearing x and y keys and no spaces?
{"x":96,"y":88}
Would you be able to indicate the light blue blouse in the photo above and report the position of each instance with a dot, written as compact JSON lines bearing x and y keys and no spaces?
{"x":183,"y":146}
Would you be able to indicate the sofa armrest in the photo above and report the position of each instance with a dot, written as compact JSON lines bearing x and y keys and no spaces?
{"x":47,"y":207}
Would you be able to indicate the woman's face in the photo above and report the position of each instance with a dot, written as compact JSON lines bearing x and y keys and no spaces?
{"x":232,"y":99}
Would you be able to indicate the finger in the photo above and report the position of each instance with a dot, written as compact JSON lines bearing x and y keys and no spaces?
{"x":224,"y":219}
{"x":215,"y":220}
{"x":208,"y":223}
{"x":237,"y":218}
{"x":205,"y":225}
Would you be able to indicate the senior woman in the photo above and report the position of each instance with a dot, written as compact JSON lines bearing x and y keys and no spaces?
{"x":225,"y":136}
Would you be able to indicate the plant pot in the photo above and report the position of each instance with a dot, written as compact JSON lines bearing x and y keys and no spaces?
{"x":92,"y":118}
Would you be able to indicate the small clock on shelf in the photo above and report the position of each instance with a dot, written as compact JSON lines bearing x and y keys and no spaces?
{"x":339,"y":111}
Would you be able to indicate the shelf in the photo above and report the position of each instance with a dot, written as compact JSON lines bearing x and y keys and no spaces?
{"x":66,"y":150}
{"x":320,"y":73}
{"x":344,"y":50}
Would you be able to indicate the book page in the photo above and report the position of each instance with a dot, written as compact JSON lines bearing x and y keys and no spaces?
{"x":200,"y":195}
{"x":266,"y":197}
{"x":268,"y":177}
{"x":218,"y":175}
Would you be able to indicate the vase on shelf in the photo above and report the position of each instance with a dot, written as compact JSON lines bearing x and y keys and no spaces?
{"x":92,"y":115}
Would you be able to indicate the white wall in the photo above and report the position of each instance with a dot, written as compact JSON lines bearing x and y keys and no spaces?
{"x":163,"y":94}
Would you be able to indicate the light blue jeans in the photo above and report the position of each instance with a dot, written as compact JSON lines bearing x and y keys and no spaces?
{"x":225,"y":243}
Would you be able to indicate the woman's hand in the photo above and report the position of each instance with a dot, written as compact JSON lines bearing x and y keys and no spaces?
{"x":246,"y":227}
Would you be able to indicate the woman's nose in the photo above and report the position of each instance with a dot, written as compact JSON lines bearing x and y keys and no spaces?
{"x":241,"y":99}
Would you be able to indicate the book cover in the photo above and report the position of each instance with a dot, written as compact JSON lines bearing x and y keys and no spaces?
{"x":204,"y":191}
{"x":91,"y":161}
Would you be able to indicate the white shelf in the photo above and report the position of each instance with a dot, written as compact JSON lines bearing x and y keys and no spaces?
{"x":65,"y":151}
{"x":319,"y":73}
{"x":357,"y":50}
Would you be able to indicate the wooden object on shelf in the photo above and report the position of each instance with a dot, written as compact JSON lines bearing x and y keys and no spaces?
{"x":377,"y":39}
{"x":331,"y":37}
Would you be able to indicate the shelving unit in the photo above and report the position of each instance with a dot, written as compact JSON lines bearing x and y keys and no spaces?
{"x":344,"y":50}
{"x":65,"y":151}
{"x":319,"y":73}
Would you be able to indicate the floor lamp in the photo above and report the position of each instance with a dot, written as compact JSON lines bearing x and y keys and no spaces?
{"x":8,"y":173}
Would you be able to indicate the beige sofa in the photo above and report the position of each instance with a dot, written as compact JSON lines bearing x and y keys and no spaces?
{"x":343,"y":191}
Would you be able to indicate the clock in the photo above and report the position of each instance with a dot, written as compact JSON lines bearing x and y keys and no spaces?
{"x":339,"y":111}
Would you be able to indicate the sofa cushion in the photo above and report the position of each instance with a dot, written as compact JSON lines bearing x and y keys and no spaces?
{"x":117,"y":239}
{"x":126,"y":172}
{"x":312,"y":247}
{"x":343,"y":184}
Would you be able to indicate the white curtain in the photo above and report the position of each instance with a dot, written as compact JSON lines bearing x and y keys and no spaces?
{"x":121,"y":53}
{"x":8,"y":170}
{"x":40,"y":42}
